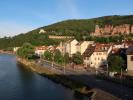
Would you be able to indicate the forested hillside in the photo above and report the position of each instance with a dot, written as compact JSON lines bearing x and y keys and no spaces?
{"x":86,"y":26}
{"x":77,"y":28}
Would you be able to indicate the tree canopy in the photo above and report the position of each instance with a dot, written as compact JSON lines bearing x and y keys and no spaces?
{"x":58,"y":57}
{"x":77,"y":28}
{"x":115,"y":63}
{"x":26,"y":51}
{"x":66,"y":58}
{"x":77,"y":58}
{"x":48,"y":55}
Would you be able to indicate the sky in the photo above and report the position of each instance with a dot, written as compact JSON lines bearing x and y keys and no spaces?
{"x":20,"y":16}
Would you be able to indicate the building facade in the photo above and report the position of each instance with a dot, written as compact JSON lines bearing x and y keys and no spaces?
{"x":130,"y":60}
{"x":97,"y":55}
{"x":40,"y":50}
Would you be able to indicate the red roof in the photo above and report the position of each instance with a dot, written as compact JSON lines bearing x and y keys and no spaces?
{"x":41,"y":48}
{"x":100,"y":47}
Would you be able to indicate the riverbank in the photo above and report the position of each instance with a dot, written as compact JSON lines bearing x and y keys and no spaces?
{"x":6,"y":52}
{"x":69,"y":81}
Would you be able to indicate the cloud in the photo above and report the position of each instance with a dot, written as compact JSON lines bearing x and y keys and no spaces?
{"x":12,"y":28}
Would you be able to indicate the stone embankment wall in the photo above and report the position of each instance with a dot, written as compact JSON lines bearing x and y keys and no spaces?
{"x":32,"y":66}
{"x":77,"y":86}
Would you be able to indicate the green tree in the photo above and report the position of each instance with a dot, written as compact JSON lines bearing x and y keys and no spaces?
{"x":79,"y":36}
{"x":26,"y":51}
{"x":58,"y":58}
{"x":77,"y":58}
{"x":66,"y":58}
{"x":48,"y":55}
{"x":115,"y":63}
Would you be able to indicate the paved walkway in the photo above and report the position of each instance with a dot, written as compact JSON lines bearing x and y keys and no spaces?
{"x":90,"y":80}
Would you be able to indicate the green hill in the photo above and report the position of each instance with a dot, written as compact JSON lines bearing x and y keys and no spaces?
{"x":85,"y":26}
{"x":76,"y":28}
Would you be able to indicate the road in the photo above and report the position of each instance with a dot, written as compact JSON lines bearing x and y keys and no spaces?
{"x":90,"y":80}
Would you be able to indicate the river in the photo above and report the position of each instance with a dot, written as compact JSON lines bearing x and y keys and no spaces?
{"x":18,"y":83}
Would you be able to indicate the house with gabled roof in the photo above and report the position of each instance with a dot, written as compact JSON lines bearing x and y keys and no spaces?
{"x":39,"y":50}
{"x":96,"y":55}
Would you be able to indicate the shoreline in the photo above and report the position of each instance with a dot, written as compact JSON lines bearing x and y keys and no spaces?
{"x":67,"y":81}
{"x":10,"y":53}
{"x":58,"y":78}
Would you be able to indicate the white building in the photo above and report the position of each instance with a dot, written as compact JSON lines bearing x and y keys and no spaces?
{"x":51,"y":48}
{"x":96,"y":55}
{"x":124,"y":44}
{"x":15,"y":49}
{"x":69,"y":47}
{"x":82,"y":46}
{"x":73,"y":46}
{"x":130,"y":60}
{"x":61,"y":48}
{"x":40,"y":50}
{"x":42,"y":31}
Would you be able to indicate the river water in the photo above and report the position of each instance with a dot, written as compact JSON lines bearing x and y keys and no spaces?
{"x":18,"y":83}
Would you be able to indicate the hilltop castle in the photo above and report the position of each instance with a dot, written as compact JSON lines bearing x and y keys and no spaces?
{"x":110,"y":30}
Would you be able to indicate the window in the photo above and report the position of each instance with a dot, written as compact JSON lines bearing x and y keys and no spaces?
{"x":87,"y":58}
{"x":131,"y":58}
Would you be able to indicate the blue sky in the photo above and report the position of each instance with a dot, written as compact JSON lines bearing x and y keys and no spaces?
{"x":19,"y":16}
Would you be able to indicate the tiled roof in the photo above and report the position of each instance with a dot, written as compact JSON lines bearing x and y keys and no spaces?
{"x":130,"y":50}
{"x":130,"y":43}
{"x":78,"y":44}
{"x":89,"y":51}
{"x":41,"y":48}
{"x":102,"y":47}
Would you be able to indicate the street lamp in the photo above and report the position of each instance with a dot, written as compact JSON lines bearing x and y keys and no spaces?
{"x":121,"y":74}
{"x":107,"y":69}
{"x":53,"y":60}
{"x":64,"y":66}
{"x":96,"y":71}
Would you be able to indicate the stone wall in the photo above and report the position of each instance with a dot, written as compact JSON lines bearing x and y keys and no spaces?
{"x":113,"y":30}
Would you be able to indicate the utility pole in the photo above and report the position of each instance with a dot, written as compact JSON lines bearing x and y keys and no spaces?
{"x":96,"y":71}
{"x":64,"y":67}
{"x":121,"y":83}
{"x":53,"y":60}
{"x":64,"y":59}
{"x":107,"y":69}
{"x":64,"y":63}
{"x":121,"y":74}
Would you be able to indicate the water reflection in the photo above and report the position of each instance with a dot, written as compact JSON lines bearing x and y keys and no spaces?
{"x":18,"y":83}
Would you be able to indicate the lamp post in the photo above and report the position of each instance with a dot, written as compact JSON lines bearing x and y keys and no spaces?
{"x":64,"y":66}
{"x":121,"y":74}
{"x":53,"y":60}
{"x":107,"y":69}
{"x":64,"y":59}
{"x":96,"y":71}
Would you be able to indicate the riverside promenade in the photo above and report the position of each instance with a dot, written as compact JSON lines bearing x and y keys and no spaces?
{"x":69,"y":79}
{"x":89,"y":79}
